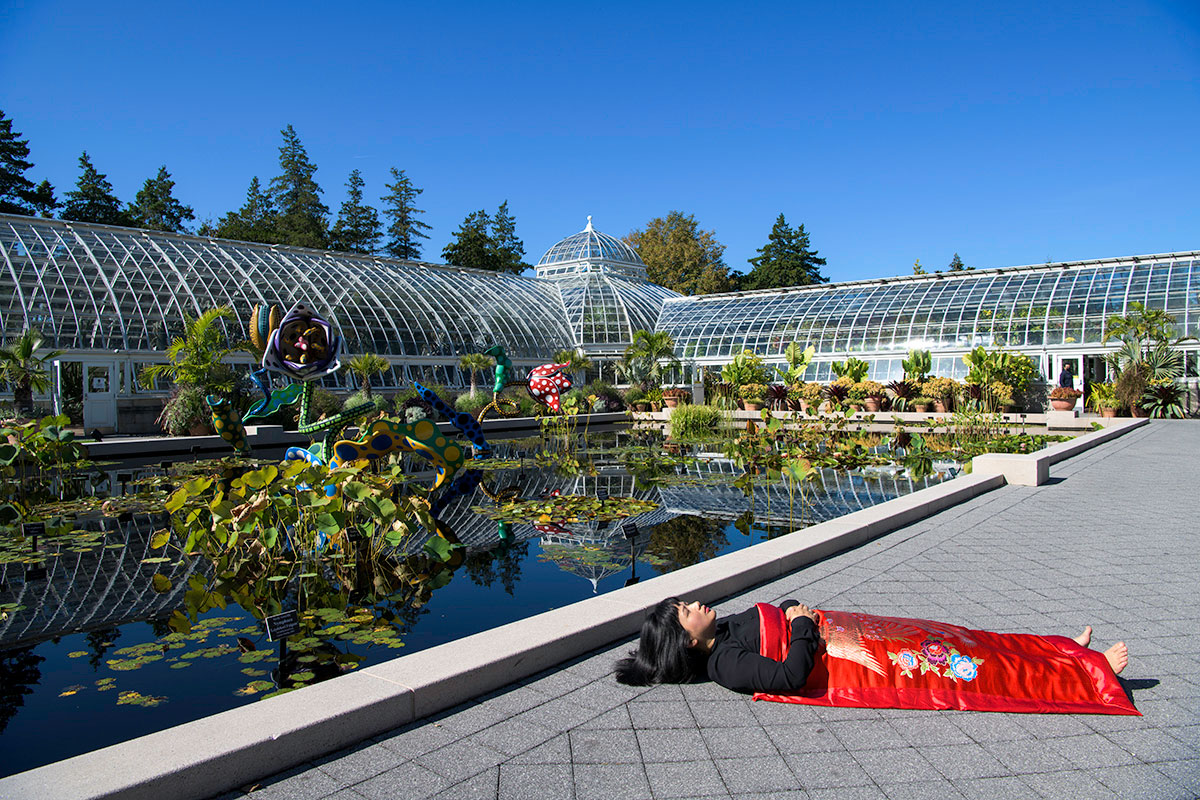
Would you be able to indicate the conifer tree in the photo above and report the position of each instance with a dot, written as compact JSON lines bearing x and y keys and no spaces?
{"x":399,"y":206}
{"x":253,"y":222}
{"x":156,"y":208}
{"x":302,"y":218}
{"x":956,"y":264}
{"x":18,"y":195}
{"x":357,"y":226}
{"x":93,"y":200}
{"x":680,"y":256}
{"x":508,"y":248}
{"x":785,"y":260}
{"x":472,"y":245}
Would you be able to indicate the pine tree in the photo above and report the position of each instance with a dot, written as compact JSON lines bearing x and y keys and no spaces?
{"x":357,"y":226}
{"x":406,"y":229}
{"x":18,"y":195}
{"x":917,"y":268}
{"x":156,"y":208}
{"x":508,"y":249}
{"x":680,"y":256}
{"x":472,"y":245}
{"x":956,"y":264}
{"x":253,"y":222}
{"x":302,"y":219}
{"x":785,"y":260}
{"x":92,"y":199}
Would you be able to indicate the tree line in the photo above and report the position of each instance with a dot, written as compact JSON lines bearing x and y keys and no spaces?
{"x":288,"y":210}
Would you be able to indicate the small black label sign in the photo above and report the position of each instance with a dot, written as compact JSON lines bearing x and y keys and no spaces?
{"x":37,"y":573}
{"x":630,"y":529}
{"x":34,"y":528}
{"x":282,"y":625}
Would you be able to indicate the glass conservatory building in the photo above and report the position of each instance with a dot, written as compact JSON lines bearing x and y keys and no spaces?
{"x":112,"y":299}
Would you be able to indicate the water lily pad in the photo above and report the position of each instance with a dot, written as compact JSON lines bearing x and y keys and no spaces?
{"x":77,"y":654}
{"x":254,"y":673}
{"x":70,"y":690}
{"x":302,"y":676}
{"x":181,"y":665}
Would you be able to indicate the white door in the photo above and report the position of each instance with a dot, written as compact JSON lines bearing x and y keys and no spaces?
{"x":1076,"y":363}
{"x":99,"y":395}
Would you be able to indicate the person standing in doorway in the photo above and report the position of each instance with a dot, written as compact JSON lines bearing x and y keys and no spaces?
{"x":1065,"y":378}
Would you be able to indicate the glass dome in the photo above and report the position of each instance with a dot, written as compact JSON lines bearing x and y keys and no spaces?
{"x":591,"y":251}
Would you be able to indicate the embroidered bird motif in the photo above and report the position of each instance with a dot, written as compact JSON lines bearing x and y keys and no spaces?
{"x":846,"y":633}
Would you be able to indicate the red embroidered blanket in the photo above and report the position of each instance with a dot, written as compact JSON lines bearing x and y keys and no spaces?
{"x":866,"y":661}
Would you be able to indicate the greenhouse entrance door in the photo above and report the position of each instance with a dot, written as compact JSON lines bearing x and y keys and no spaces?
{"x":99,"y":395}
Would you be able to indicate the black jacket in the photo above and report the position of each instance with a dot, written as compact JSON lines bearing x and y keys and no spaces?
{"x":735,"y":663}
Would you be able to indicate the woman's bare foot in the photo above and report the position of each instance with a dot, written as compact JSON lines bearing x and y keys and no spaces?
{"x":1085,"y":638}
{"x":1118,"y":657}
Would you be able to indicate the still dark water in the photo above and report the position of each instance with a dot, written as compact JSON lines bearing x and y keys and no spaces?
{"x":73,"y":677}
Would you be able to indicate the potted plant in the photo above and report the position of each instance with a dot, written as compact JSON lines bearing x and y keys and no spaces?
{"x":186,"y":413}
{"x":903,"y":392}
{"x":876,"y":395}
{"x":1064,"y":398}
{"x":837,"y":392}
{"x":635,"y":398}
{"x":777,"y":397}
{"x":675,"y":395}
{"x":810,"y":397}
{"x":654,"y":398}
{"x":1001,"y":395}
{"x":1102,"y":399}
{"x":856,"y":396}
{"x":753,"y":395}
{"x":943,"y":391}
{"x":921,"y":404}
{"x":795,"y":397}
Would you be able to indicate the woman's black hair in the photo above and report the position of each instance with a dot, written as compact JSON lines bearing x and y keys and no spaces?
{"x":663,"y":654}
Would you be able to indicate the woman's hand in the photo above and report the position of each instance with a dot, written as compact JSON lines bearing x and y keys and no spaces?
{"x":800,"y":610}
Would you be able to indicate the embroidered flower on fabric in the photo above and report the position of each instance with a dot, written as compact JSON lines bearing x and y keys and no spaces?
{"x":963,"y":667}
{"x":907,"y":659}
{"x":935,"y":650}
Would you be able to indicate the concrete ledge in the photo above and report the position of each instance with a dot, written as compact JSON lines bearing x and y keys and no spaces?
{"x":1033,"y":469}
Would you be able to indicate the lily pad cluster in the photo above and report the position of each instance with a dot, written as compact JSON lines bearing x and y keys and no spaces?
{"x":567,"y":508}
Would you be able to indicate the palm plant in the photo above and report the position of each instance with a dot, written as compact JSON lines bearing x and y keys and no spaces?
{"x":197,"y":357}
{"x":367,"y":366}
{"x":1139,"y":364}
{"x":650,"y":355}
{"x":475,"y":363}
{"x":577,"y":363}
{"x":21,"y":366}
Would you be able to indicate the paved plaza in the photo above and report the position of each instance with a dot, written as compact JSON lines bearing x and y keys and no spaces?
{"x":1111,"y":541}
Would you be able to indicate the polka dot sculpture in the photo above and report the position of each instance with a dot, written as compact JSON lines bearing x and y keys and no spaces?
{"x":227,"y":424}
{"x":387,"y":436}
{"x":547,"y":383}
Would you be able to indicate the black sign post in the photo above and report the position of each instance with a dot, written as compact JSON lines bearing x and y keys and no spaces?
{"x":35,"y":572}
{"x":630,"y":529}
{"x":34,"y":530}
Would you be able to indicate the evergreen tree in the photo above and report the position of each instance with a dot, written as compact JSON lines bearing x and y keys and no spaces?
{"x":917,"y":268}
{"x":92,"y":199}
{"x":399,"y":206}
{"x":680,"y":256}
{"x":487,"y":242}
{"x":508,"y":249}
{"x":302,"y":218}
{"x":472,"y":245}
{"x":156,"y":207}
{"x":253,"y":222}
{"x":956,"y":264}
{"x":785,"y":260}
{"x":18,"y":195}
{"x":357,"y":226}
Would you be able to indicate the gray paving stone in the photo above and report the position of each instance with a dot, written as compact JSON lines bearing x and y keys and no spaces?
{"x":1004,"y":788}
{"x":1185,"y":772}
{"x":660,"y":745}
{"x":304,"y":783}
{"x":685,"y":779}
{"x":478,"y":787}
{"x":835,"y":769}
{"x":358,"y":764}
{"x":512,"y":736}
{"x":923,"y":730}
{"x":559,"y":715}
{"x":746,"y":742}
{"x":1025,"y":757}
{"x":865,"y":734}
{"x":460,"y":760}
{"x":905,"y":765}
{"x":615,"y":719}
{"x":344,"y":794}
{"x":535,"y":782}
{"x":957,"y":761}
{"x":408,"y":781}
{"x":868,"y":792}
{"x":760,"y":774}
{"x":803,"y":739}
{"x":1138,"y":782}
{"x":669,"y":714}
{"x":722,"y":714}
{"x":1070,"y":785}
{"x":555,"y":751}
{"x":1153,"y":745}
{"x":604,"y":747}
{"x":1089,"y":751}
{"x":615,"y":781}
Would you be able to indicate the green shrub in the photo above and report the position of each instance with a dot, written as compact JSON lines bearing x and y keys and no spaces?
{"x":184,"y":408}
{"x":472,"y":403}
{"x":635,"y":394}
{"x":694,"y":422}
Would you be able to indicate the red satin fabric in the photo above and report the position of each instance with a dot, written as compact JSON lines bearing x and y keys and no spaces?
{"x":866,"y":661}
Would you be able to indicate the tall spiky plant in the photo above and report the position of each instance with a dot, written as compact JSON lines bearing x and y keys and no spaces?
{"x":197,"y":357}
{"x":25,"y":369}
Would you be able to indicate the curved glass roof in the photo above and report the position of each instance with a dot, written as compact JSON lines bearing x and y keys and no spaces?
{"x":1024,"y":308}
{"x":95,"y":287}
{"x":591,"y":251}
{"x":604,"y":310}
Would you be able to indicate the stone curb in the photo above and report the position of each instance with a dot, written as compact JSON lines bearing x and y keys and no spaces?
{"x":1033,"y":469}
{"x":205,"y":757}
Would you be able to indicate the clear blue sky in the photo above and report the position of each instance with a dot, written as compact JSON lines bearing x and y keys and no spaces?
{"x":893,"y":131}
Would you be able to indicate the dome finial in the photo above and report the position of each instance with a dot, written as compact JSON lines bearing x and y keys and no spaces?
{"x":589,"y":225}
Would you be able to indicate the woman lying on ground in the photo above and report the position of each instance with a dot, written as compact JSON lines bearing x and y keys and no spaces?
{"x":797,"y":654}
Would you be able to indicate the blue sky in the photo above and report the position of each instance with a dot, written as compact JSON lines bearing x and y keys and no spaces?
{"x":893,"y":131}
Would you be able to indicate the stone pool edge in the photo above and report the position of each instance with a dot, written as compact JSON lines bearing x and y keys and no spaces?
{"x":206,"y":757}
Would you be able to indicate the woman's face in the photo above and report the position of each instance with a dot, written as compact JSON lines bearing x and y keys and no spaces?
{"x":698,"y":621}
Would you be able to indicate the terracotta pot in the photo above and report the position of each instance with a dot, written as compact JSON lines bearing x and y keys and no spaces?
{"x":748,"y":406}
{"x":1062,"y":405}
{"x":871,"y":404}
{"x":795,"y":405}
{"x":939,"y":406}
{"x":1139,"y":413}
{"x":671,"y":401}
{"x":200,"y":429}
{"x":855,"y":407}
{"x":1108,"y":413}
{"x":921,"y":408}
{"x":641,"y":406}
